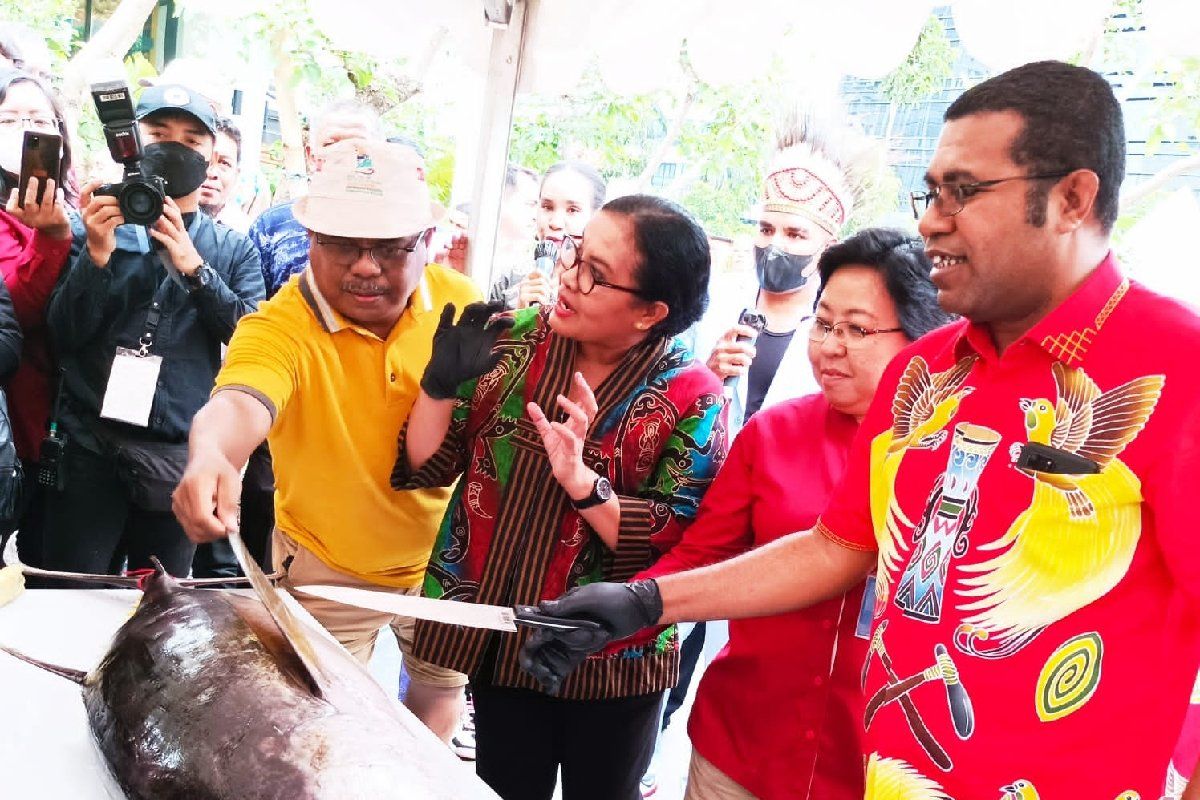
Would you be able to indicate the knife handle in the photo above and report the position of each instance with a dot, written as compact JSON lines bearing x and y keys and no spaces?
{"x":534,"y":618}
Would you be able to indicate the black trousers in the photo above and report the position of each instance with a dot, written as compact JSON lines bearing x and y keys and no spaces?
{"x":216,"y":559}
{"x":92,"y":526}
{"x":29,"y":523}
{"x":523,"y":737}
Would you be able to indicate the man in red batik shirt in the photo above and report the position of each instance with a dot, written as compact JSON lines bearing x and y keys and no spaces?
{"x":1023,"y":484}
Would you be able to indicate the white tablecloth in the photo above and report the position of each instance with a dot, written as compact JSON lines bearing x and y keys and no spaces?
{"x":46,"y":750}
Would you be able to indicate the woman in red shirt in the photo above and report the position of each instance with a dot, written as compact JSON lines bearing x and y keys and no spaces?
{"x":778,"y":713}
{"x":34,"y":244}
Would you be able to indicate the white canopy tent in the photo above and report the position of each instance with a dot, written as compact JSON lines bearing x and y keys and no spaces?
{"x":489,"y":51}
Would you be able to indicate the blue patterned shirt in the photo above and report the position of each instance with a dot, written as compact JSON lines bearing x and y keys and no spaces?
{"x":282,"y":245}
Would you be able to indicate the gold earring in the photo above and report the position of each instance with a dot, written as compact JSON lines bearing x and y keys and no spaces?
{"x":640,"y":326}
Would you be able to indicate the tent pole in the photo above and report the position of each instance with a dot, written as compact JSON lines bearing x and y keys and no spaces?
{"x":500,"y":88}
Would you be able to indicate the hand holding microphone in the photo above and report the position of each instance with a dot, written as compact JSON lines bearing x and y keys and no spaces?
{"x":734,"y":352}
{"x":538,"y":287}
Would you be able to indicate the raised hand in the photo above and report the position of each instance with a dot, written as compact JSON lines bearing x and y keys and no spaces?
{"x":463,"y":351}
{"x":564,"y":440}
{"x":101,"y":217}
{"x":730,"y":357}
{"x":48,"y":216}
{"x":171,"y":233}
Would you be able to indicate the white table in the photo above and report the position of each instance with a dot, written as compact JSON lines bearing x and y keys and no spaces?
{"x":46,"y":749}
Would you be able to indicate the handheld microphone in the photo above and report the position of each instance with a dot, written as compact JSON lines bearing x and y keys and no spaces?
{"x":545,"y":253}
{"x":750,"y":318}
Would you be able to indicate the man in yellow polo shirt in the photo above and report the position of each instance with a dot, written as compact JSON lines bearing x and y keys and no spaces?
{"x":327,"y":371}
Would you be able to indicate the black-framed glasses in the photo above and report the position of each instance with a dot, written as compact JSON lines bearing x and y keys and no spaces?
{"x":846,"y":333}
{"x":386,"y":255}
{"x":951,"y":197}
{"x":570,"y":257}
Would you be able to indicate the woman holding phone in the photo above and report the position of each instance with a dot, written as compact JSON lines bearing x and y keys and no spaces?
{"x":35,"y":241}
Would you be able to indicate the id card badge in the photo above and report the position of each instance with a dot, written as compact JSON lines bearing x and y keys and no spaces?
{"x":131,"y":385}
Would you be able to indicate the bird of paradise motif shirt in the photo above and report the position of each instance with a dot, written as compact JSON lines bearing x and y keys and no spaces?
{"x":511,"y":536}
{"x":1036,"y":627}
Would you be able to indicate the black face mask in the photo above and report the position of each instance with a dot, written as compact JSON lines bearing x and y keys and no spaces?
{"x":183,"y":169}
{"x":778,"y":271}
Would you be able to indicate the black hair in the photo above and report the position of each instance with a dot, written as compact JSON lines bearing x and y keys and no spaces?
{"x":66,"y":173}
{"x":1072,"y":121}
{"x":513,"y":172}
{"x":587,"y":171}
{"x":674,"y":259}
{"x":228,"y":127}
{"x":901,"y":261}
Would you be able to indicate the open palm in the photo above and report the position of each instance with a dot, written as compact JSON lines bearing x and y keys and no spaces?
{"x":564,"y":440}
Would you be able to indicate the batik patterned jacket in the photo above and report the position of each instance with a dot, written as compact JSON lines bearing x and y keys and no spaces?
{"x":511,"y":536}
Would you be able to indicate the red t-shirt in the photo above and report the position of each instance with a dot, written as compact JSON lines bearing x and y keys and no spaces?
{"x":778,"y":709}
{"x":1038,"y":632}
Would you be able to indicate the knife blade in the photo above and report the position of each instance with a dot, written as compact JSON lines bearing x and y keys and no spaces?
{"x":287,"y":623}
{"x":451,"y":612}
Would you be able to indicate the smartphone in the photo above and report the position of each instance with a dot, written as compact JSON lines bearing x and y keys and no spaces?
{"x":40,"y":153}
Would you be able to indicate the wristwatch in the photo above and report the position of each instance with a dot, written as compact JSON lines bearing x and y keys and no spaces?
{"x":202,"y":277}
{"x":601,"y":491}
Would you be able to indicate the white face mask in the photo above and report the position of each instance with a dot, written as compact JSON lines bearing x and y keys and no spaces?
{"x":11,"y":142}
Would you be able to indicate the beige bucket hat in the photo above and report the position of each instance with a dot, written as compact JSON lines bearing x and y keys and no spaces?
{"x":368,"y":190}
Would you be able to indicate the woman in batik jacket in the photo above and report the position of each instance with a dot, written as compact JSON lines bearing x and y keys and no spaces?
{"x":598,"y":491}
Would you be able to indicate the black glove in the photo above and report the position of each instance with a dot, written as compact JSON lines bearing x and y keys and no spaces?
{"x":463,"y":351}
{"x":622,"y":609}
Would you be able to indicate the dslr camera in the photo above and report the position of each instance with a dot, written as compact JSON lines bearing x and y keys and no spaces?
{"x":140,"y":196}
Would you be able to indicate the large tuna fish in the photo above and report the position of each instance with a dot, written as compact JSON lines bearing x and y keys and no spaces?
{"x":201,"y":697}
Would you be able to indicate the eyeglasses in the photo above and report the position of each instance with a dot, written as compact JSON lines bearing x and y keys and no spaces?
{"x":387,"y":255}
{"x":45,"y":124}
{"x":846,"y":333}
{"x":951,"y":197}
{"x":570,"y":256}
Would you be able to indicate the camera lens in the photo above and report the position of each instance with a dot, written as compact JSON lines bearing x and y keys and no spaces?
{"x":140,"y":204}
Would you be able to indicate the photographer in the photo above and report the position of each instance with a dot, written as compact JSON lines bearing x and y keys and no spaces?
{"x":138,"y":323}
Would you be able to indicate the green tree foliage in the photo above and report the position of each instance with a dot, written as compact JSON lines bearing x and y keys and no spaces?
{"x":926,"y":69}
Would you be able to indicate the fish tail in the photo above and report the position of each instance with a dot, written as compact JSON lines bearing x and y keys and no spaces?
{"x":75,"y":675}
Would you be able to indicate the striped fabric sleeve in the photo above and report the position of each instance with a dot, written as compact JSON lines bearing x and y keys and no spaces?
{"x":634,"y":552}
{"x":442,"y":468}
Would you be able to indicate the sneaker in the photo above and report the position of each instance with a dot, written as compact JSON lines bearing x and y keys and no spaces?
{"x":463,"y":745}
{"x":468,"y":718}
{"x":649,"y":785}
{"x":463,"y":741}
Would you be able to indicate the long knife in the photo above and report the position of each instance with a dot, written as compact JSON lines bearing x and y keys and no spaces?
{"x":287,"y":623}
{"x":452,"y":612}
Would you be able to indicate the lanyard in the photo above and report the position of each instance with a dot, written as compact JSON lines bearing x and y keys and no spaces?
{"x":154,"y":316}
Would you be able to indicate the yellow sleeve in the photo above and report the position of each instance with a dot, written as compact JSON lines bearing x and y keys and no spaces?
{"x":263,"y":360}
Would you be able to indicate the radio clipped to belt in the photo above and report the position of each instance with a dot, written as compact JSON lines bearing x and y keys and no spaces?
{"x":133,"y":380}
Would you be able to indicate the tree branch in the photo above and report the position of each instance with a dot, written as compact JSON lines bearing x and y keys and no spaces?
{"x":673,"y":129}
{"x":1141,"y":192}
{"x":113,"y":40}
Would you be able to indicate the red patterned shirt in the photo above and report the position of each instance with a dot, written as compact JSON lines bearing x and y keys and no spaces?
{"x":1036,"y":625}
